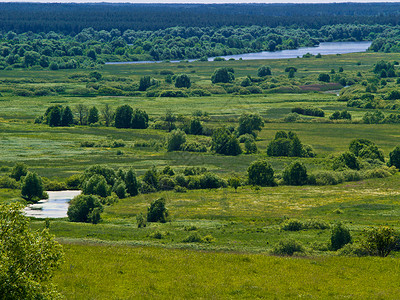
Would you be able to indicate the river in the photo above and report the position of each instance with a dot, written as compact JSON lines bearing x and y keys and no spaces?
{"x":322,"y":48}
{"x":54,"y":207}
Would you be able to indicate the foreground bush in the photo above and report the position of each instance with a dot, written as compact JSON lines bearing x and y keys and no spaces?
{"x":340,"y":236}
{"x":380,"y":241}
{"x":27,"y":258}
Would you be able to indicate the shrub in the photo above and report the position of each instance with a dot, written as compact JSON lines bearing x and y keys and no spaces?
{"x":249,"y":123}
{"x":223,"y":75}
{"x":263,"y":71}
{"x":8,"y":183}
{"x":223,"y":142}
{"x":19,"y":170}
{"x":171,"y":93}
{"x":394,"y":157}
{"x":157,"y":212}
{"x":182,"y":81}
{"x":166,"y":183}
{"x":250,"y":147}
{"x":355,"y":249}
{"x":32,"y":187}
{"x":346,"y":160}
{"x":211,"y":181}
{"x":195,"y":237}
{"x":380,"y":241}
{"x":295,"y":174}
{"x":175,"y":140}
{"x":288,"y":247}
{"x":85,"y":208}
{"x":261,"y":173}
{"x":324,"y":77}
{"x":326,"y":178}
{"x":140,"y":119}
{"x":123,"y":116}
{"x":141,"y":220}
{"x":340,"y":236}
{"x":119,"y":189}
{"x":96,"y":185}
{"x":292,"y":225}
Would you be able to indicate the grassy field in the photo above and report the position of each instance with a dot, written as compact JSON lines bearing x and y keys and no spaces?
{"x":117,"y":260}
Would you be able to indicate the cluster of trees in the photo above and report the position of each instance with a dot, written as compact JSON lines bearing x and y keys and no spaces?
{"x":309,"y":111}
{"x":288,"y":144}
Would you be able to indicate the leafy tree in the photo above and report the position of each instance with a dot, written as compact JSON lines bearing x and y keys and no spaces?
{"x":150,"y":177}
{"x":296,"y":148}
{"x":145,"y":83}
{"x":131,"y":182}
{"x":67,"y":117}
{"x":340,"y":236}
{"x":32,"y":187}
{"x":261,"y":173}
{"x":279,"y":147}
{"x":55,"y":116}
{"x":263,"y":71}
{"x":96,"y":185}
{"x":123,"y":116}
{"x":223,"y":75}
{"x":92,"y":54}
{"x":182,"y":81}
{"x":157,"y":212}
{"x":324,"y":77}
{"x":176,"y":138}
{"x":85,"y":208}
{"x":224,"y":142}
{"x":234,"y":182}
{"x":250,"y":146}
{"x":394,"y":157}
{"x":196,"y":127}
{"x":93,"y":115}
{"x":140,"y":119}
{"x":380,"y":241}
{"x":108,"y":114}
{"x":31,"y":58}
{"x":28,"y":258}
{"x":119,"y":189}
{"x":19,"y":170}
{"x":82,"y":113}
{"x":346,"y":160}
{"x":295,"y":174}
{"x":248,"y":123}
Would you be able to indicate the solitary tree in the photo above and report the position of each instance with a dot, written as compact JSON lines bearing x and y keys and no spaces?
{"x":157,"y":212}
{"x":32,"y":187}
{"x":263,"y":71}
{"x":295,"y":174}
{"x":248,"y":123}
{"x":261,"y":173}
{"x":140,"y":119}
{"x":176,"y":139}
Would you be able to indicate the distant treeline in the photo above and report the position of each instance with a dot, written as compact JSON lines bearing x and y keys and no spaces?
{"x":73,"y":18}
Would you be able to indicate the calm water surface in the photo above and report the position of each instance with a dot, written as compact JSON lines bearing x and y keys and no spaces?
{"x":54,"y":207}
{"x":323,"y":48}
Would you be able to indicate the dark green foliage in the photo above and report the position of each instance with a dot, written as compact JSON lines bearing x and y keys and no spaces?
{"x":176,"y":138}
{"x":96,"y":185}
{"x":140,"y":119}
{"x":296,"y":148}
{"x":211,"y":181}
{"x":141,"y":220}
{"x":261,"y":173}
{"x":394,"y":157}
{"x":288,"y":69}
{"x":340,"y":236}
{"x":32,"y":187}
{"x":340,"y":115}
{"x":324,"y":77}
{"x":123,"y":116}
{"x":119,"y":189}
{"x":19,"y":170}
{"x":222,"y":75}
{"x":364,"y":148}
{"x":279,"y":147}
{"x":151,"y":177}
{"x":346,"y":160}
{"x":295,"y":174}
{"x":263,"y":71}
{"x":85,"y":208}
{"x":224,"y":142}
{"x":103,"y":170}
{"x":250,"y":147}
{"x":131,"y":182}
{"x":288,"y":145}
{"x":67,"y":117}
{"x":93,"y":115}
{"x":249,"y":123}
{"x":309,"y":111}
{"x":195,"y":127}
{"x":145,"y":83}
{"x":166,"y":183}
{"x":157,"y":212}
{"x":288,"y":247}
{"x":373,"y":117}
{"x":292,"y":225}
{"x":182,"y":81}
{"x":55,"y":117}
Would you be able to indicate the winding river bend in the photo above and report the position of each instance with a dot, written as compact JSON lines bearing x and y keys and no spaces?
{"x":54,"y":207}
{"x":322,"y":48}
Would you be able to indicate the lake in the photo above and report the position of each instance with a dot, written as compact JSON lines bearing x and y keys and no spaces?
{"x":54,"y":207}
{"x":322,"y":48}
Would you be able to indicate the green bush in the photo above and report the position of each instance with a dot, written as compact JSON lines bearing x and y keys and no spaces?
{"x":261,"y":173}
{"x":292,"y":225}
{"x":175,"y":140}
{"x":380,"y":241}
{"x":394,"y":157}
{"x":288,"y":247}
{"x":340,"y":236}
{"x":157,"y":212}
{"x":212,"y":181}
{"x":326,"y":178}
{"x":295,"y":174}
{"x":85,"y":208}
{"x":346,"y":160}
{"x":141,"y":221}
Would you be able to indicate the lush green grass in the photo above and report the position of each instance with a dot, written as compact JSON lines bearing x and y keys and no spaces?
{"x":96,"y":271}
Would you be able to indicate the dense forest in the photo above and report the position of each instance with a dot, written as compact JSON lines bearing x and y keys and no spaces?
{"x":72,"y":18}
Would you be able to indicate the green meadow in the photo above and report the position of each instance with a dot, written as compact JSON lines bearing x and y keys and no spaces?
{"x":238,"y":228}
